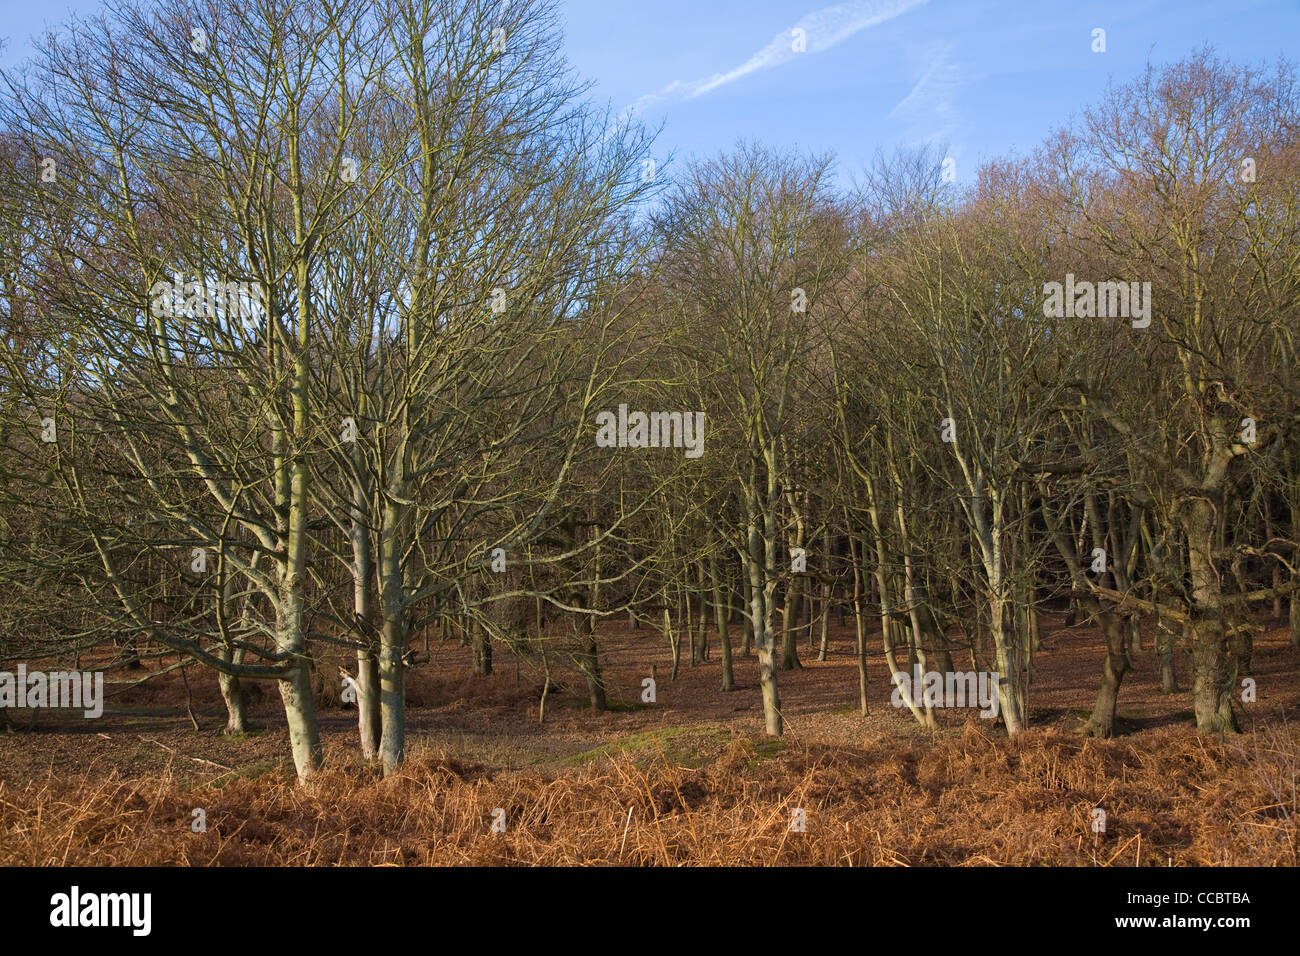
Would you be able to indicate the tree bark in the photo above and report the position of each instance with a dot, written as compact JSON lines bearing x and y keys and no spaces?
{"x":392,"y":684}
{"x":823,"y":650}
{"x":790,"y":614}
{"x":393,"y":641}
{"x":1211,"y":678}
{"x":235,"y":695}
{"x":1008,"y":670}
{"x":1165,"y":641}
{"x":674,"y":642}
{"x":295,"y":690}
{"x":481,"y":641}
{"x":722,"y":612}
{"x":859,"y":626}
{"x":1295,"y":614}
{"x":1102,"y":721}
{"x":589,"y":653}
{"x":233,"y":691}
{"x":747,"y":640}
{"x":761,"y":558}
{"x":589,"y":662}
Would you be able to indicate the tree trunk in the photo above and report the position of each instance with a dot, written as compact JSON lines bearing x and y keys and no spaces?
{"x":690,"y":627}
{"x":482,"y":644}
{"x":1243,"y":649}
{"x":702,"y":624}
{"x":590,"y":664}
{"x":368,"y":719}
{"x":772,"y":723}
{"x":363,"y":570}
{"x":790,"y":613}
{"x":1102,"y":721}
{"x":1165,"y":641}
{"x":722,"y":612}
{"x":823,"y":648}
{"x":1211,"y":678}
{"x":590,"y":654}
{"x":887,"y":626}
{"x":295,"y":690}
{"x":761,"y":555}
{"x":859,"y":627}
{"x":392,"y":688}
{"x":393,"y":641}
{"x":916,"y":655}
{"x":674,"y":642}
{"x":747,"y":641}
{"x":1295,"y":614}
{"x":300,"y":712}
{"x":368,"y":710}
{"x":233,"y":691}
{"x":235,"y":695}
{"x":809,"y":611}
{"x":1134,"y":625}
{"x":1277,"y":568}
{"x":1008,"y":670}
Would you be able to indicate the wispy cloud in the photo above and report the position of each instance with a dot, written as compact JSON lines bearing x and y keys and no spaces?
{"x":927,"y":110}
{"x":822,"y":30}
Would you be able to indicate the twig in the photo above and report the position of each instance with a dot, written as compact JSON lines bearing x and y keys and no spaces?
{"x":210,"y":763}
{"x":625,"y":829}
{"x":189,"y":700}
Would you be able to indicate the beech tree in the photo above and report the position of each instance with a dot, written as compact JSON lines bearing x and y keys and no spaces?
{"x":751,"y":242}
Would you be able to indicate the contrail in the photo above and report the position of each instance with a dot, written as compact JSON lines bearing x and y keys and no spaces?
{"x":822,"y":30}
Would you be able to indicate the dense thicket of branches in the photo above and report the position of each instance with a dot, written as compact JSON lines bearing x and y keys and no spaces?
{"x":456,"y":267}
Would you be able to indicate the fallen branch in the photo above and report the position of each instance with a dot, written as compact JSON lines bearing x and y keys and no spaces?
{"x":210,"y":763}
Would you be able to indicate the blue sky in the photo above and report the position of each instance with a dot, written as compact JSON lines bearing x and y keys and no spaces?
{"x":986,"y":77}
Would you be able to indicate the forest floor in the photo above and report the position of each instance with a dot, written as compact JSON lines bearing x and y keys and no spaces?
{"x":688,"y":779}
